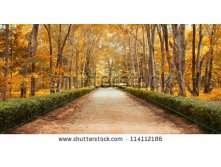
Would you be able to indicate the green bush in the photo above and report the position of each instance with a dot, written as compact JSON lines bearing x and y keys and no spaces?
{"x":205,"y":114}
{"x":17,"y":111}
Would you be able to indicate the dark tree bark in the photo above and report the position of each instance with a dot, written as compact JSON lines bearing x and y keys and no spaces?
{"x":194,"y":61}
{"x":199,"y":63}
{"x":150,"y":29}
{"x":5,"y":83}
{"x":11,"y":62}
{"x":169,"y":80}
{"x":32,"y":48}
{"x":95,"y":74}
{"x":209,"y":64}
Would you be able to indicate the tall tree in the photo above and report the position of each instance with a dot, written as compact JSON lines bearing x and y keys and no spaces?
{"x":199,"y":62}
{"x":76,"y":69}
{"x":5,"y":83}
{"x":145,"y":77}
{"x":194,"y":60}
{"x":61,"y":45}
{"x":48,"y":29}
{"x":179,"y":36}
{"x":131,"y":63}
{"x":209,"y":64}
{"x":137,"y":57}
{"x":162,"y":57}
{"x":32,"y":48}
{"x":150,"y":29}
{"x":168,"y":83}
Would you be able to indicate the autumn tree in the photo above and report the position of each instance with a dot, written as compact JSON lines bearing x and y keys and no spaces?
{"x":150,"y":29}
{"x":209,"y":61}
{"x":5,"y":83}
{"x":160,"y":34}
{"x":32,"y":47}
{"x":173,"y":57}
{"x":180,"y":48}
{"x":169,"y":81}
{"x":61,"y":45}
{"x":49,"y":33}
{"x":197,"y":62}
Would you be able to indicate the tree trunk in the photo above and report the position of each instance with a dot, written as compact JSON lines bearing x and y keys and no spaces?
{"x":5,"y":83}
{"x":59,"y":61}
{"x":162,"y":57}
{"x":132,"y":63}
{"x":137,"y":58}
{"x":95,"y":73}
{"x":198,"y":63}
{"x":32,"y":53}
{"x":48,"y":28}
{"x":110,"y":72}
{"x":59,"y":65}
{"x":76,"y":70}
{"x":144,"y":58}
{"x":11,"y":64}
{"x":24,"y":83}
{"x":194,"y":92}
{"x":168,"y":83}
{"x":150,"y":36}
{"x":179,"y":35}
{"x":209,"y":64}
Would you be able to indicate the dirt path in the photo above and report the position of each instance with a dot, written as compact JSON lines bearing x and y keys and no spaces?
{"x":108,"y":110}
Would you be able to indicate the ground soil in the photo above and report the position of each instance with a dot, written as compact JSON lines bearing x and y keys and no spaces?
{"x":108,"y":111}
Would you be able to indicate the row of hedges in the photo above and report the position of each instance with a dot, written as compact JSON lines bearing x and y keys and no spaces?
{"x":207,"y":115}
{"x":17,"y":111}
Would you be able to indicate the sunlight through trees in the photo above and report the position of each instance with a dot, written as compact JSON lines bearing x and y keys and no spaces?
{"x":175,"y":59}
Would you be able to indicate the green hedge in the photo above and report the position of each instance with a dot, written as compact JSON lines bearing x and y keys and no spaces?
{"x":17,"y":111}
{"x":205,"y":114}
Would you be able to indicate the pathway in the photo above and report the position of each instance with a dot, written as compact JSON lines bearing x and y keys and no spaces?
{"x":108,"y":111}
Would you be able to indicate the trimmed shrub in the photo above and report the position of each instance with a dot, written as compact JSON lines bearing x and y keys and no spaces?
{"x":18,"y":111}
{"x":207,"y":115}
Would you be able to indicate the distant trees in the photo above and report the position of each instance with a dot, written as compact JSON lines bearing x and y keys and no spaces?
{"x":172,"y":43}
